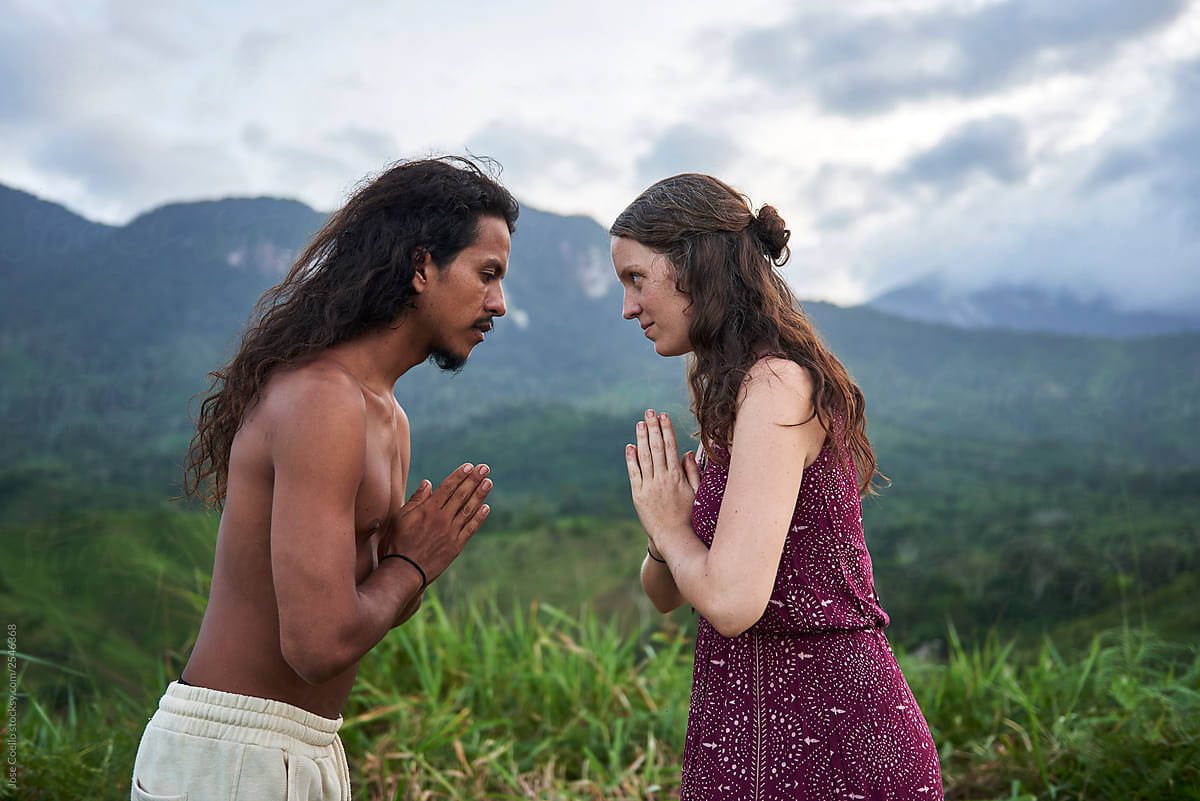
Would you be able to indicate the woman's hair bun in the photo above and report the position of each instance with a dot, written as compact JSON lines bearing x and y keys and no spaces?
{"x":772,"y":232}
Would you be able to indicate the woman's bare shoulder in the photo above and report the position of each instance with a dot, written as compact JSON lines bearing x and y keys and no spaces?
{"x":778,"y":379}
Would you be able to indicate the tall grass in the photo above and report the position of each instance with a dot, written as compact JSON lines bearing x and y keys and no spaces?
{"x":520,"y":706}
{"x":1118,"y":721}
{"x":541,"y":703}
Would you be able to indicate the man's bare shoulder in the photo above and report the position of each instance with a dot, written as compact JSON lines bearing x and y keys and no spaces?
{"x":318,"y":391}
{"x":401,"y":417}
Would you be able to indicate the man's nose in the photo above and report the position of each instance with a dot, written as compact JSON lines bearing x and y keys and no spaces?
{"x":495,"y":301}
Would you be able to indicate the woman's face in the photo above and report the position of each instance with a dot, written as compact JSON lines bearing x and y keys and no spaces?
{"x":651,"y":298}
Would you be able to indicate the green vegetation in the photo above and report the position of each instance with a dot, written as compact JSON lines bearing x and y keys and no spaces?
{"x":545,"y":704}
{"x":1038,"y":551}
{"x":570,"y":690}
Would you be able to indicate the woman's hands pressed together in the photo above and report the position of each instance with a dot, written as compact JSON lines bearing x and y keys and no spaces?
{"x":663,"y":486}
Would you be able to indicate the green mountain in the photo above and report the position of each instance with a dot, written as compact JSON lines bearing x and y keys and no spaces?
{"x":109,"y":330}
{"x":1037,"y":478}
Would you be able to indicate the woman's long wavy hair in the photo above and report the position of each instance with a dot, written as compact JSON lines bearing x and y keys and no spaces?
{"x":355,"y":275}
{"x":724,"y":257}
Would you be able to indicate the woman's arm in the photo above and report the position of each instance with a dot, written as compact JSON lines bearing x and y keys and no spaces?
{"x":673,"y":502}
{"x":731,"y":583}
{"x":658,"y":583}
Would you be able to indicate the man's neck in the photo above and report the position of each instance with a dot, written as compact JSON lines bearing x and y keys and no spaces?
{"x":378,"y":358}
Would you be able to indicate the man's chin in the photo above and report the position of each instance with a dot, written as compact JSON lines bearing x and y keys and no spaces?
{"x":448,"y":361}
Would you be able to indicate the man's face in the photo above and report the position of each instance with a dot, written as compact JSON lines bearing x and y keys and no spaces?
{"x":458,"y":301}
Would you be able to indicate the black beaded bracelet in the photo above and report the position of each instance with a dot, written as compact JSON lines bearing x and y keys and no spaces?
{"x":652,"y":556}
{"x":424,"y":580}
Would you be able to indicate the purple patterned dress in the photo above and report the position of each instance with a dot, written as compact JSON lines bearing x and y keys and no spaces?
{"x":809,"y":702}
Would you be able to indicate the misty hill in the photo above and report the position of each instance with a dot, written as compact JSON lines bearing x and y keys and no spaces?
{"x":1027,"y":308}
{"x":112,"y":329}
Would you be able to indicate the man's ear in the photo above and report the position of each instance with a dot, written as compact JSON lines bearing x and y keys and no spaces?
{"x":424,"y":263}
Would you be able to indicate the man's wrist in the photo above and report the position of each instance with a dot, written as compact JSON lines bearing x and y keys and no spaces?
{"x":424,"y":579}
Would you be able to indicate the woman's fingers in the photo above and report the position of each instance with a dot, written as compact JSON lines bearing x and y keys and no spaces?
{"x":631,"y":462}
{"x":658,"y":450}
{"x":645,"y":461}
{"x":692,"y":470}
{"x":670,"y":448}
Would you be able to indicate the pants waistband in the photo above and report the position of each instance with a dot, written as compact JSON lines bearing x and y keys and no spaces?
{"x":204,"y":712}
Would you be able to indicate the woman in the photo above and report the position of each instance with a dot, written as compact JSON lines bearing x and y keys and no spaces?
{"x":795,"y":691}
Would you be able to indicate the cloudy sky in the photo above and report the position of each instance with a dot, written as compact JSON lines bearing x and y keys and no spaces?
{"x":1047,"y":141}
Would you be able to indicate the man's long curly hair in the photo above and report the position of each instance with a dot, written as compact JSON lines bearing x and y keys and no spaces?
{"x":355,"y":275}
{"x":724,"y":257}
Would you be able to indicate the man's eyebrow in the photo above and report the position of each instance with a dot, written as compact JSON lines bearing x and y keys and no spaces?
{"x":496,"y":264}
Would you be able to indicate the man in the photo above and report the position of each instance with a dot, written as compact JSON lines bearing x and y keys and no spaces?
{"x":302,"y":443}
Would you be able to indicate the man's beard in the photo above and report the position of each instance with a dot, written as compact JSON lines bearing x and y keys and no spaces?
{"x":445,"y":360}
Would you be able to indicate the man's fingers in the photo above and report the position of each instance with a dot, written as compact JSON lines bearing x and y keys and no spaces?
{"x":422,"y":492}
{"x":451,"y":484}
{"x":475,"y":521}
{"x":474,"y":502}
{"x":692,"y":470}
{"x":462,"y":495}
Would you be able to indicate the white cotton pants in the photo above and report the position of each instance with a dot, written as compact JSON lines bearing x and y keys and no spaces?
{"x":207,"y":745}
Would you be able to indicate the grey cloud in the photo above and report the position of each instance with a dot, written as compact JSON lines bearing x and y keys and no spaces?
{"x":857,"y":65}
{"x":686,"y":148}
{"x":33,"y":71}
{"x":1118,"y":165}
{"x":839,"y":196}
{"x":1168,"y":162}
{"x":374,"y":145}
{"x":123,"y":162}
{"x":1178,"y":147}
{"x":18,"y":96}
{"x":253,"y":49}
{"x":300,"y":166}
{"x":105,"y":160}
{"x":523,"y":149}
{"x":995,"y":147}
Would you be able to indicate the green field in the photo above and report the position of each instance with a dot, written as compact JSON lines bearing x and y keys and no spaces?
{"x":1038,"y":549}
{"x":574,"y":689}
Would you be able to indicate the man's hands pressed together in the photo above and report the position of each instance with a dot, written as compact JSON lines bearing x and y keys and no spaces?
{"x":435,"y":525}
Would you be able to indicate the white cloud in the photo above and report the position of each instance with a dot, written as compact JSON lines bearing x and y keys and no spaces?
{"x":897,"y":139}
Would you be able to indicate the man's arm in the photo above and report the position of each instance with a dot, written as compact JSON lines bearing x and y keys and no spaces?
{"x":318,"y":448}
{"x":404,"y":452}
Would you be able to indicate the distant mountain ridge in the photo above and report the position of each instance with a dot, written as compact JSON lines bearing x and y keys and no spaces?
{"x":1027,"y":308}
{"x":109,"y":330}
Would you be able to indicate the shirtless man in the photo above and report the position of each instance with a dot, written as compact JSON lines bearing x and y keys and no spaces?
{"x":302,"y":443}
